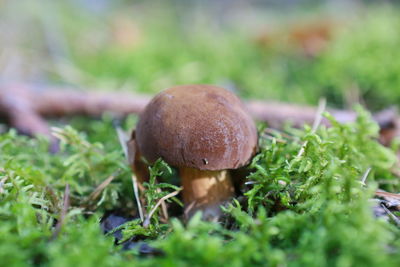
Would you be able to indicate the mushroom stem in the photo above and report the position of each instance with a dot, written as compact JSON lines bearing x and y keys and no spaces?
{"x":205,"y":191}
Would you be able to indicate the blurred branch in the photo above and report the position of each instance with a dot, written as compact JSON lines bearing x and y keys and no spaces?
{"x":26,"y":108}
{"x":17,"y":107}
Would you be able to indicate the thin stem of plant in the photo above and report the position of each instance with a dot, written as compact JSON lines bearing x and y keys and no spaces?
{"x":317,"y":122}
{"x":123,"y":139}
{"x":147,"y":221}
{"x":365,"y":175}
{"x":62,"y":214}
{"x":164,"y":210}
{"x":137,"y":197}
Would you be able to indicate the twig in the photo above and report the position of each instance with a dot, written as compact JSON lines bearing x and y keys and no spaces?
{"x":19,"y":110}
{"x":57,"y":102}
{"x":381,"y":193}
{"x":392,"y":216}
{"x":188,"y":209}
{"x":63,"y":213}
{"x":95,"y":194}
{"x":25,"y":107}
{"x":391,"y":199}
{"x":147,"y":220}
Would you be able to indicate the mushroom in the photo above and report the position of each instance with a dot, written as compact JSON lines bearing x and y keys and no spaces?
{"x":204,"y":131}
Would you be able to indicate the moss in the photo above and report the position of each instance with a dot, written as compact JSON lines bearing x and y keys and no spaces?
{"x":325,"y":216}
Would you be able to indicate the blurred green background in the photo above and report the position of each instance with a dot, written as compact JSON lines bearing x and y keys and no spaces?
{"x":296,"y":51}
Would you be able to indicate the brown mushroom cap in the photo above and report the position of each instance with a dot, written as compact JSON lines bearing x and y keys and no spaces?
{"x":197,"y":126}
